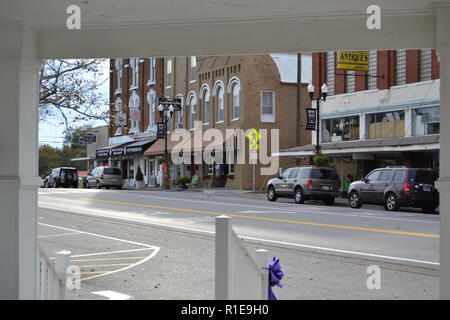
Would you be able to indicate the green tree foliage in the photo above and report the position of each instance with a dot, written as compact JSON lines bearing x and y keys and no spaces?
{"x":50,"y":157}
{"x":139,"y":175}
{"x":321,"y":161}
{"x":74,"y":137}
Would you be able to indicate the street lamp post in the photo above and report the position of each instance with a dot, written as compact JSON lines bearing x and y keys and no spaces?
{"x":166,"y":114}
{"x":324,"y":90}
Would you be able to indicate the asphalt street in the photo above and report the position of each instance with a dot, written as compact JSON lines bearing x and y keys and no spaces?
{"x":401,"y":237}
{"x":160,"y":245}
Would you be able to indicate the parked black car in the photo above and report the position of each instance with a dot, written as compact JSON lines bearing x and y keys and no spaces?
{"x":305,"y":183}
{"x":62,"y":177}
{"x":396,"y":187}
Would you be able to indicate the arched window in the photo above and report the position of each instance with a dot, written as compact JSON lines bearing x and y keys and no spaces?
{"x":236,"y":101}
{"x":151,"y":99}
{"x":220,"y":105}
{"x":192,"y":103}
{"x":180,"y":114}
{"x":206,"y":107}
{"x":135,"y":113}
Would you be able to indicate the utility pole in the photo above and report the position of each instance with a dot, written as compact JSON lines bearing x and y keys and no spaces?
{"x":299,"y":103}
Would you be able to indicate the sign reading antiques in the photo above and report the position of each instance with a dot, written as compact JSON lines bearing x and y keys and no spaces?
{"x":167,"y":102}
{"x":310,"y":119}
{"x":160,"y":130}
{"x":353,"y":60}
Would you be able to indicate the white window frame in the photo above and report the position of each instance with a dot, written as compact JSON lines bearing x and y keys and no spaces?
{"x":169,"y":75}
{"x":134,"y":104}
{"x":180,"y":114}
{"x":151,"y":99}
{"x":134,"y":65}
{"x":192,"y":69}
{"x":233,"y":106}
{"x":192,"y":111}
{"x":118,"y":66}
{"x":267,"y":117}
{"x":152,"y":71}
{"x":206,"y":103}
{"x":220,"y":105}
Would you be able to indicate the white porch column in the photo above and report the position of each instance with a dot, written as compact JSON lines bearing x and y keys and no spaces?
{"x":443,"y":47}
{"x":18,"y":161}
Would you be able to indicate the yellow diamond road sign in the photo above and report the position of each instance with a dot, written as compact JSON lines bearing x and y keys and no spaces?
{"x":253,"y":138}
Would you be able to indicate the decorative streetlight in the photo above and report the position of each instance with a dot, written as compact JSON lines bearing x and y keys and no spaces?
{"x":166,"y":114}
{"x":324,"y":90}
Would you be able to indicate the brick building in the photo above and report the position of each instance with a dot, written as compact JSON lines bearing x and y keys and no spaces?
{"x":222,"y":92}
{"x":386,"y":116}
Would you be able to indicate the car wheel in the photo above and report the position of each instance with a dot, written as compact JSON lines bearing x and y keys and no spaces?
{"x":391,"y":202}
{"x":429,"y":210}
{"x":354,"y":200}
{"x":271,"y":196}
{"x":298,"y":196}
{"x":329,"y":201}
{"x":98,"y":185}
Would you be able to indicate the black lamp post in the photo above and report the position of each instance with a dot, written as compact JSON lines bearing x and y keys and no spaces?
{"x":166,"y":114}
{"x":324,"y":90}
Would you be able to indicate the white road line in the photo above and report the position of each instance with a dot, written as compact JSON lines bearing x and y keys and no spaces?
{"x":99,"y":235}
{"x":58,"y":235}
{"x":353,"y":253}
{"x":112,"y":295}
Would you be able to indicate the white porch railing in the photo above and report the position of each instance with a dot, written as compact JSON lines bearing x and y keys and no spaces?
{"x":52,"y":277}
{"x":238,"y":274}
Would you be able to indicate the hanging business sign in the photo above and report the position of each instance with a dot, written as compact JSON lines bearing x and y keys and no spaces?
{"x":89,"y":138}
{"x":310,"y":119}
{"x":353,"y":60}
{"x":160,"y":130}
{"x":167,"y":102}
{"x":102,"y":153}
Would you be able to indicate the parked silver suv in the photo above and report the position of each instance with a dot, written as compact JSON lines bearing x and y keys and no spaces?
{"x":105,"y":177}
{"x":305,"y":183}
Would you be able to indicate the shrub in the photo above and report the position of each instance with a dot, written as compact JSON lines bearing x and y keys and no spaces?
{"x":321,"y":161}
{"x":183,"y":181}
{"x":139,"y":175}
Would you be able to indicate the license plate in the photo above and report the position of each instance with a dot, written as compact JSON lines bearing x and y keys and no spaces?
{"x":426,"y":188}
{"x":325,"y":188}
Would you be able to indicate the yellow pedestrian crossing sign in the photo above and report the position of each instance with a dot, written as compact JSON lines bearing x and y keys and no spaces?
{"x":253,"y":137}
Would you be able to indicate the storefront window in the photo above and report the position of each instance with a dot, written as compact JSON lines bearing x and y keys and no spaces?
{"x":340,"y":129}
{"x":426,"y":121}
{"x":386,"y":125}
{"x":131,"y":169}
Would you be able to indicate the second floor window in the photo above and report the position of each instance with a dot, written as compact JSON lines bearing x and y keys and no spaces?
{"x":169,"y":73}
{"x":192,"y":111}
{"x":193,"y":68}
{"x":401,"y":66}
{"x":267,"y":106}
{"x":220,"y":105}
{"x":206,"y":107}
{"x":134,"y":65}
{"x":152,"y":71}
{"x":236,"y":103}
{"x":151,"y":99}
{"x":118,"y":65}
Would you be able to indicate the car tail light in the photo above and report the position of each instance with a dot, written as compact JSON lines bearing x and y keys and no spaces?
{"x":407,"y":187}
{"x":309,"y":184}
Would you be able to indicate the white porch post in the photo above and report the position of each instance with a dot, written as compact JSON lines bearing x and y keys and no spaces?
{"x":443,"y":47}
{"x":18,"y":161}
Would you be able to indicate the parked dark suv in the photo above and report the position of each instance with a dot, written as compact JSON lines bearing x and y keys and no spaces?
{"x":396,"y":187}
{"x":62,"y":177}
{"x":305,"y":183}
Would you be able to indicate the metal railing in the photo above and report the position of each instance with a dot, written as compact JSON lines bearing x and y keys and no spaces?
{"x":52,"y":276}
{"x":238,"y":274}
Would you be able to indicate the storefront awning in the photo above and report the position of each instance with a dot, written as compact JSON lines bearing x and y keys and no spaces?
{"x":139,"y":147}
{"x":399,"y":144}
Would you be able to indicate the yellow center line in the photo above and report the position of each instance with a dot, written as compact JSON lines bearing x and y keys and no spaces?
{"x":316,"y":224}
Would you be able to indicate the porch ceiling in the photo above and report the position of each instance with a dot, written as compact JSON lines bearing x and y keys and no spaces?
{"x":114,"y":28}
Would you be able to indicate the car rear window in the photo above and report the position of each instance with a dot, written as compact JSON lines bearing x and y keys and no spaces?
{"x":113,"y":171}
{"x":423,"y":176}
{"x":69,"y":170}
{"x":319,"y":173}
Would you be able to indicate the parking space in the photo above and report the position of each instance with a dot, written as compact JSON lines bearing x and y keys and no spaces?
{"x":96,"y":255}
